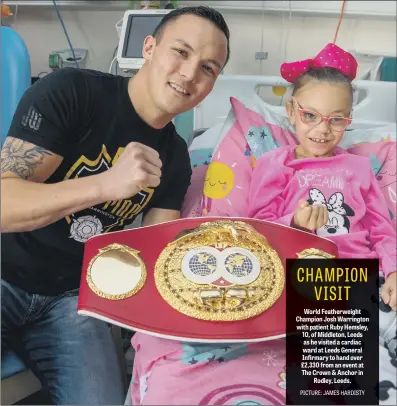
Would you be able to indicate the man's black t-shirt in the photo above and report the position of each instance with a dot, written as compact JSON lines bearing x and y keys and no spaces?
{"x":87,"y":118}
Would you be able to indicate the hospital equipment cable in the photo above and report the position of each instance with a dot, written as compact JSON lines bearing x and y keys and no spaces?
{"x":288,"y":30}
{"x":340,"y":20}
{"x":111,"y":64}
{"x":114,"y":60}
{"x":14,"y":17}
{"x":286,"y":41}
{"x":263,"y":15}
{"x":66,"y":32}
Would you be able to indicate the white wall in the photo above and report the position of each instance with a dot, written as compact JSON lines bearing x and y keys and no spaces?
{"x":95,"y":30}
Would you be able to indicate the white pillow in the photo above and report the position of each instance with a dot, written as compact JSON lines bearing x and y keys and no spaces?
{"x":207,"y":140}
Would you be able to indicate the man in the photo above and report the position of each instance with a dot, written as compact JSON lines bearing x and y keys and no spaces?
{"x":85,"y":154}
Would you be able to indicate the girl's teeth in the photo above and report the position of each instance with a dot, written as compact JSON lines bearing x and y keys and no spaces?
{"x":319,"y":141}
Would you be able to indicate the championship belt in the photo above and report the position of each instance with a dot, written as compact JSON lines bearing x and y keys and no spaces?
{"x":202,"y":279}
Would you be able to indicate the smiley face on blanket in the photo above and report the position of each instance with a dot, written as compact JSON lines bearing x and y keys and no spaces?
{"x":338,"y":212}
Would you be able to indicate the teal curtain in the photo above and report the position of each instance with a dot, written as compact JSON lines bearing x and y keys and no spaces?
{"x":184,"y":124}
{"x":388,"y":70}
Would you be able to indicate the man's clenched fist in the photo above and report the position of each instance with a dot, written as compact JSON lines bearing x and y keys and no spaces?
{"x":139,"y":166}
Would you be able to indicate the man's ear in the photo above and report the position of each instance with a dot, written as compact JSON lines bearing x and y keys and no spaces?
{"x":148,"y":47}
{"x":290,"y":111}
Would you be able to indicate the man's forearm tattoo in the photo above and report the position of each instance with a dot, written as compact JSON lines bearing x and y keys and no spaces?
{"x":21,"y":157}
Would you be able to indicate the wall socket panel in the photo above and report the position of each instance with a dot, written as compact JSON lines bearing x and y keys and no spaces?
{"x":261,"y":55}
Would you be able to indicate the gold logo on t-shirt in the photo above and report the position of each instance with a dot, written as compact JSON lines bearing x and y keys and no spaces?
{"x":109,"y":216}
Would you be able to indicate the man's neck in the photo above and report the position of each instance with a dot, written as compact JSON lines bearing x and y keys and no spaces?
{"x":142,"y":103}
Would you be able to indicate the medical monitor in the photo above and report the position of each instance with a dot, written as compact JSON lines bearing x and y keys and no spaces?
{"x":137,"y":25}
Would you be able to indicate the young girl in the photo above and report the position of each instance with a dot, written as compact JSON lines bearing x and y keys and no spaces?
{"x":318,"y":186}
{"x":332,"y":187}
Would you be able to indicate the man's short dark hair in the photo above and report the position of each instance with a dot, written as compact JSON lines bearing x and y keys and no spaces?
{"x":208,"y":13}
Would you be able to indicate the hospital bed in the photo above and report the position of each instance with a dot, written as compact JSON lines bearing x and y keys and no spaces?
{"x":377,"y":106}
{"x":375,"y":109}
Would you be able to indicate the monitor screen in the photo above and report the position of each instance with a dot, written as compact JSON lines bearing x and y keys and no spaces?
{"x":138,"y":28}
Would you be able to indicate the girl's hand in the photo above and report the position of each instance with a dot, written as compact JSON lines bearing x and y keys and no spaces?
{"x":310,"y":217}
